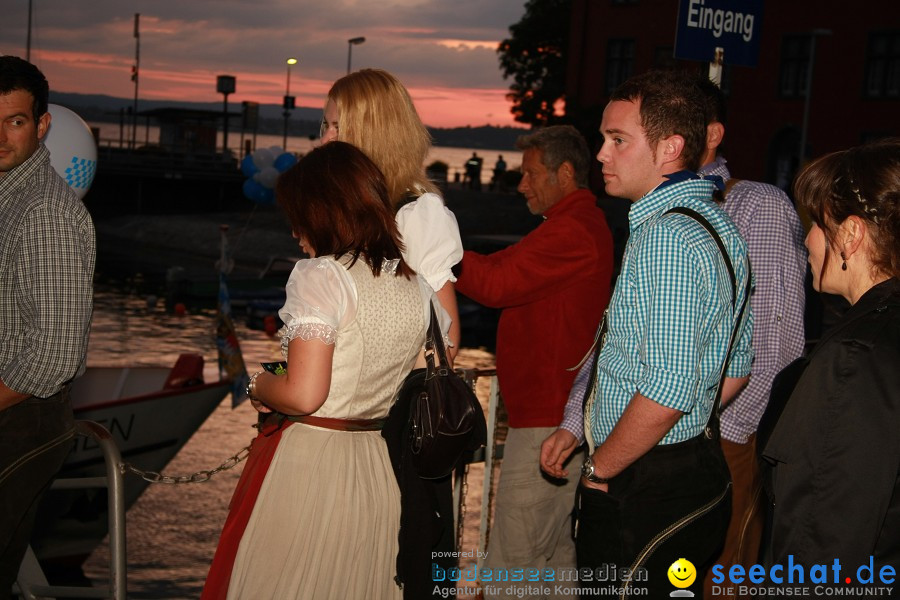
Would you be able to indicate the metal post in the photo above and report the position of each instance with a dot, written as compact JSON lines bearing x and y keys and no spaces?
{"x":350,"y":43}
{"x":286,"y":113}
{"x":225,"y":84}
{"x":28,"y":39}
{"x":136,"y":75}
{"x":287,"y":100}
{"x":225,"y":124}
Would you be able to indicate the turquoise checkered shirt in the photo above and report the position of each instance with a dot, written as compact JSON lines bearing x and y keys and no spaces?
{"x":670,"y":316}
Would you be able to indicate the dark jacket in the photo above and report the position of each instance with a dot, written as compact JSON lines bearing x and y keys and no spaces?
{"x":835,"y":451}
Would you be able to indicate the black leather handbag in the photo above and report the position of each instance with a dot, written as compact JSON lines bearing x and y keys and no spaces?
{"x":445,"y":417}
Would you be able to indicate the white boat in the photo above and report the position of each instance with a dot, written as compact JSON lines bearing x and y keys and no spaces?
{"x":151,"y":413}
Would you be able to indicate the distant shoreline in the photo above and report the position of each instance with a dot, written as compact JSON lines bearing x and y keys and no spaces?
{"x":304,"y":121}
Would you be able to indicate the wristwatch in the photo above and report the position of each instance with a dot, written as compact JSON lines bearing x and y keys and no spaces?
{"x":587,"y":471}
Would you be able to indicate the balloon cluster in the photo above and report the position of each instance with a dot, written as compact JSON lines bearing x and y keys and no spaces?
{"x":262,"y":169}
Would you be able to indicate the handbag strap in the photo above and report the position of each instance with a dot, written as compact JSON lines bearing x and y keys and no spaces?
{"x":434,"y":345}
{"x":712,"y":425}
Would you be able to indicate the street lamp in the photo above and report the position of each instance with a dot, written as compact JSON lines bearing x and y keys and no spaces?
{"x":289,"y":101}
{"x":350,"y":43}
{"x":225,"y":84}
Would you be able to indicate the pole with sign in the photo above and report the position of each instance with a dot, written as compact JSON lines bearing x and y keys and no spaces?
{"x":717,"y":30}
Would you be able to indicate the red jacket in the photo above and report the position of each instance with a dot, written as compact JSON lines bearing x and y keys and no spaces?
{"x":553,"y":287}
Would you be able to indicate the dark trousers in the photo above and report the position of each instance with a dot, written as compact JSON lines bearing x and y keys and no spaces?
{"x":674,"y":502}
{"x":35,"y":438}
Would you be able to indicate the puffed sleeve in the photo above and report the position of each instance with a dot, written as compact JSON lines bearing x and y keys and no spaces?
{"x":431,"y":239}
{"x":321,"y":298}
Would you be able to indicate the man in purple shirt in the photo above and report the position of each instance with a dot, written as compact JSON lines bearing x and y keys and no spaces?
{"x":768,"y":221}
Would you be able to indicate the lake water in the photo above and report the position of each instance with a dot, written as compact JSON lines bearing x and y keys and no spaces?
{"x":172,"y":530}
{"x":454,"y":157}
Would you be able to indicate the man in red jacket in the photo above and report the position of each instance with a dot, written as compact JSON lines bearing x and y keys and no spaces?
{"x":553,"y":287}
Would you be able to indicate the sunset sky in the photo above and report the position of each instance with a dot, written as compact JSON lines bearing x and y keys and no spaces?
{"x":443,"y":51}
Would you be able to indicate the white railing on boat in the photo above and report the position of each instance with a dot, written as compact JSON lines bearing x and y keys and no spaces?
{"x":32,"y":583}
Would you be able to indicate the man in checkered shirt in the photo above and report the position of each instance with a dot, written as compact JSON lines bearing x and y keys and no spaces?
{"x":769,"y":222}
{"x":47,"y":253}
{"x":654,"y":488}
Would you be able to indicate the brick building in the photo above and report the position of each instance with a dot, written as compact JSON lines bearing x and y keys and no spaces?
{"x":856,"y":75}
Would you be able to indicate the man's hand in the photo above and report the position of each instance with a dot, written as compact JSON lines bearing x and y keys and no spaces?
{"x":9,"y":397}
{"x":555,"y":450}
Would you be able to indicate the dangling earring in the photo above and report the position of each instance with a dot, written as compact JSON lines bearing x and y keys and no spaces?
{"x":843,"y":264}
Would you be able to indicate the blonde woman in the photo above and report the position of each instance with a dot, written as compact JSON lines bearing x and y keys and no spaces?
{"x":372,"y":110}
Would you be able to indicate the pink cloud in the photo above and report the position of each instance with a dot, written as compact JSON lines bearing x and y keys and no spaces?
{"x":93,"y":73}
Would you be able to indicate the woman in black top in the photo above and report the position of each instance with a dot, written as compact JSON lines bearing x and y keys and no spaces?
{"x":835,"y":451}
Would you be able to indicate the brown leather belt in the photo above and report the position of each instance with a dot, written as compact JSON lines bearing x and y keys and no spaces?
{"x":340,"y":424}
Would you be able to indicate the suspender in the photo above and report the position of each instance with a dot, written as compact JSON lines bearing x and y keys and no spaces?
{"x":712,"y":425}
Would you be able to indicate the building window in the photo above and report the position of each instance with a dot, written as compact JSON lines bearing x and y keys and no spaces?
{"x":619,"y":63}
{"x":794,"y":65}
{"x":883,"y":65}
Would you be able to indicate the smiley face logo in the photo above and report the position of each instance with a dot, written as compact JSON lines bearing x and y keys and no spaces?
{"x":682,"y":573}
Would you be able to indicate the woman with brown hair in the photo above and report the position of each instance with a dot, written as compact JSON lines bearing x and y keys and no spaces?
{"x":373,"y":111}
{"x":325,"y":519}
{"x":835,"y":451}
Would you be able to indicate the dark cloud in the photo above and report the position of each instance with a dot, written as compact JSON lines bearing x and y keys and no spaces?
{"x":260,"y":33}
{"x":427,"y":43}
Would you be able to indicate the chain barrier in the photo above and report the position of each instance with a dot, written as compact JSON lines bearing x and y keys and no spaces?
{"x":461,"y":518}
{"x":198,"y":477}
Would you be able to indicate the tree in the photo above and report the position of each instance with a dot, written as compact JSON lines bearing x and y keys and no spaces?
{"x":534,"y":56}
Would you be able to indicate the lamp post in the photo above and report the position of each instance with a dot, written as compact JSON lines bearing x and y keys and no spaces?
{"x":135,"y":76}
{"x":350,"y":43}
{"x":288,"y":104}
{"x":225,"y":84}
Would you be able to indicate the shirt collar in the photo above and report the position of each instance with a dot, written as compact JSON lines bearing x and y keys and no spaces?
{"x":716,"y":167}
{"x":17,"y":176}
{"x":671,"y":192}
{"x":686,"y":175}
{"x":568,"y":200}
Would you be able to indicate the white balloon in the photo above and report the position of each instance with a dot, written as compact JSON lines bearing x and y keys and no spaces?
{"x":263,"y":158}
{"x":276,"y":150}
{"x":268,"y":177}
{"x":73,"y":150}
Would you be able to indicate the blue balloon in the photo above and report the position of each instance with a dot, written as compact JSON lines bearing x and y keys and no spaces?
{"x":284,"y":162}
{"x":254,"y":190}
{"x":247,"y":167}
{"x":268,"y":196}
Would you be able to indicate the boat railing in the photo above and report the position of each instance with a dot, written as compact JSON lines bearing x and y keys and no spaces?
{"x":32,"y":583}
{"x":489,"y":454}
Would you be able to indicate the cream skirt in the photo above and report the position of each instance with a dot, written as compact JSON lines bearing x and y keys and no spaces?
{"x":326,"y":521}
